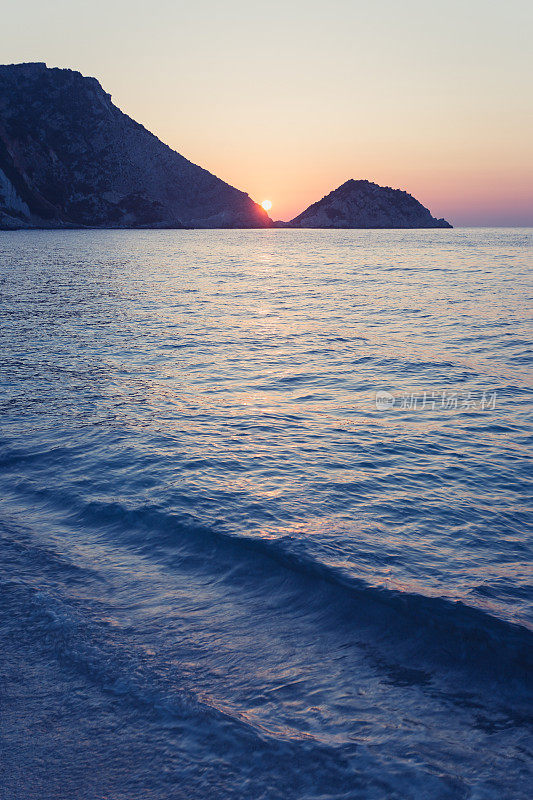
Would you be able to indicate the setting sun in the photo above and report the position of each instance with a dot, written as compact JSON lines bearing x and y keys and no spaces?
{"x":267,"y":205}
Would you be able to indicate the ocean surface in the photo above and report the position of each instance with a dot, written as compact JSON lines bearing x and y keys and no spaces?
{"x":265,"y":526}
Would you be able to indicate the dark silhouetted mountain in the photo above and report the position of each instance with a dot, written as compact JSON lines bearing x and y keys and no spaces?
{"x":70,"y":158}
{"x":362,"y":204}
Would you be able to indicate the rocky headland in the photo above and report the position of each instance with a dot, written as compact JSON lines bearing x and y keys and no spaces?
{"x":70,"y":158}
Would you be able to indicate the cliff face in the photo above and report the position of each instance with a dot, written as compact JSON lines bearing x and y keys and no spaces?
{"x":361,"y":204}
{"x":69,"y":158}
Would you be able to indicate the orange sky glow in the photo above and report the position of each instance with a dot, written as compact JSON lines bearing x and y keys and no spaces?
{"x":287,"y":100}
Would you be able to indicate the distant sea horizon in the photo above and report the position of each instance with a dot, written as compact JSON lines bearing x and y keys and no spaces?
{"x":455,"y":226}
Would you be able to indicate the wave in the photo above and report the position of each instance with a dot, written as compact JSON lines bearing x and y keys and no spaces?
{"x":447,"y":632}
{"x":51,"y":626}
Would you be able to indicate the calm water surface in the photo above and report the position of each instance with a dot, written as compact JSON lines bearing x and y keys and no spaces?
{"x":226,"y":569}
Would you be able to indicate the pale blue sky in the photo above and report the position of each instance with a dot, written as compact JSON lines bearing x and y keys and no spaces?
{"x":288,"y":100}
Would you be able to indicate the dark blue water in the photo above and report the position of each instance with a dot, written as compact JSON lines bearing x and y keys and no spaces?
{"x":265,"y":524}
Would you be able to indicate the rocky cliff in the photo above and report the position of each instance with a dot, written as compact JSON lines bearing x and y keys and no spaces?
{"x":70,"y":158}
{"x":362,"y":204}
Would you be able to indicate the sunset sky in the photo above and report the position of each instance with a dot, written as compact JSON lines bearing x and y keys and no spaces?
{"x":287,"y":100}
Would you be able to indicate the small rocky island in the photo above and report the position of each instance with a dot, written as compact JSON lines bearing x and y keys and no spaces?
{"x":69,"y":158}
{"x":362,"y":204}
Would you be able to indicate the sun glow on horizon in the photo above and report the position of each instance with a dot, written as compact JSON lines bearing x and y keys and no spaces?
{"x":267,"y":205}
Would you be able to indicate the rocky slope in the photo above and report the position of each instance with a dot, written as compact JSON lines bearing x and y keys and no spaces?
{"x":362,"y":204}
{"x":70,"y":158}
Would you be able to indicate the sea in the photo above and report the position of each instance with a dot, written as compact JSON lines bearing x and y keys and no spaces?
{"x":265,"y":515}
